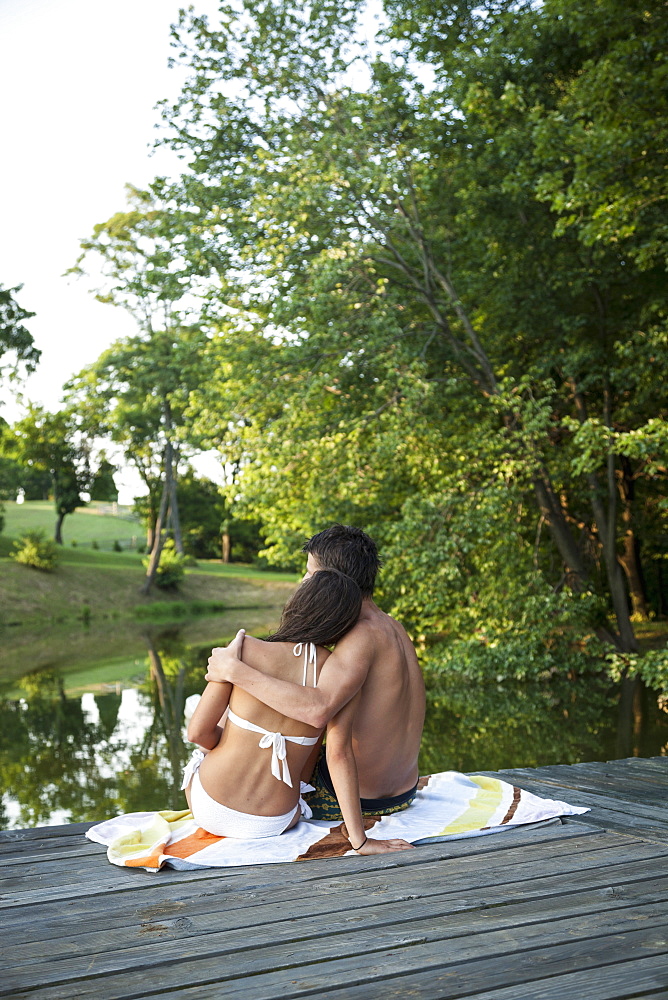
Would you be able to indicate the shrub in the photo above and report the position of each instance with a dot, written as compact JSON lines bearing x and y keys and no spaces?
{"x":35,"y":549}
{"x":171,"y":569}
{"x":94,"y":545}
{"x":117,"y":547}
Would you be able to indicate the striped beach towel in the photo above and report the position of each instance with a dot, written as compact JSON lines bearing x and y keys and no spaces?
{"x":448,"y":806}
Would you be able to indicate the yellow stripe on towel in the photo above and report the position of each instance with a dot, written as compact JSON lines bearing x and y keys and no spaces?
{"x":480,"y":808}
{"x":138,"y":843}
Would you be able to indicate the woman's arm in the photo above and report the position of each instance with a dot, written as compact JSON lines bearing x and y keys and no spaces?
{"x":343,"y":772}
{"x":204,"y":727}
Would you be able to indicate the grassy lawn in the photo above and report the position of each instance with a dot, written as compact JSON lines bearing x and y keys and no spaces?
{"x":211,"y":567}
{"x":93,"y":523}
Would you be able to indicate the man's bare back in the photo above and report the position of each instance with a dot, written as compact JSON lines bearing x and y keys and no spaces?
{"x":389,"y":716}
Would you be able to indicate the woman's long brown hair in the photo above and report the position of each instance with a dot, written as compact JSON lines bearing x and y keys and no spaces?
{"x":322,"y":609}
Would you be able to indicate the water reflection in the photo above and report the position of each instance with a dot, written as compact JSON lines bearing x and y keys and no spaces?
{"x":67,"y":758}
{"x":70,"y":759}
{"x":564,"y":721}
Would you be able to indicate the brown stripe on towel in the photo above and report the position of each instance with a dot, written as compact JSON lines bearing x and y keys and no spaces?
{"x":334,"y":845}
{"x":517,"y":794}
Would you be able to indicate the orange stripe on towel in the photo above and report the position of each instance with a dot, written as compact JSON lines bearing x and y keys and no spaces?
{"x":197,"y":841}
{"x":150,"y":861}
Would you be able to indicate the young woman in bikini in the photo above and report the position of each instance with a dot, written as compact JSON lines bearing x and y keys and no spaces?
{"x":247,"y":783}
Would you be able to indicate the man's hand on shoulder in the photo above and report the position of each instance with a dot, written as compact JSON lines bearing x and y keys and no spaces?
{"x":224,"y":660}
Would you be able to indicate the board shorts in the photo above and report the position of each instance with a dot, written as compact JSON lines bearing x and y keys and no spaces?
{"x":324,"y":803}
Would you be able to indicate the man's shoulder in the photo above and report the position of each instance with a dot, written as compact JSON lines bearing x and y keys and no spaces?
{"x":361,"y":634}
{"x":372,"y":631}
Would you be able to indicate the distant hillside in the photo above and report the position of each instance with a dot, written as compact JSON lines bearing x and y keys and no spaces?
{"x":103,"y":523}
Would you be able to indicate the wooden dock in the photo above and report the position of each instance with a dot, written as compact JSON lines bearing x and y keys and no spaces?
{"x":577,"y":910}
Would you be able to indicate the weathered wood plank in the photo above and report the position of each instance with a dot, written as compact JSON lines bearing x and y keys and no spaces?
{"x":587,"y":793}
{"x":270,"y":951}
{"x":48,"y":924}
{"x":649,"y":796}
{"x":653,"y":769}
{"x":517,"y":867}
{"x":316,"y":967}
{"x":605,"y":812}
{"x":274,"y":924}
{"x":44,"y":832}
{"x":506,"y":917}
{"x":660,"y":763}
{"x":50,"y":856}
{"x":632,"y":980}
{"x":113,"y":879}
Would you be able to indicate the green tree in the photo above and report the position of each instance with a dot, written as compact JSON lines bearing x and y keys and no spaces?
{"x":52,"y":442}
{"x":137,"y":392}
{"x":17,"y":346}
{"x":14,"y":476}
{"x":103,"y":486}
{"x":137,"y":389}
{"x":438,"y":329}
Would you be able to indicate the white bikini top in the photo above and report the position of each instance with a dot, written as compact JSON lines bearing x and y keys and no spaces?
{"x":277,"y":741}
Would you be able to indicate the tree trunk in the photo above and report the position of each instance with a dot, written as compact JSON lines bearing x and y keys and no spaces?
{"x":625,"y":717}
{"x":150,"y":527}
{"x":58,"y":534}
{"x":606,"y":526}
{"x":630,"y":560}
{"x":226,"y":545}
{"x":661,"y":603}
{"x":174,"y":516}
{"x":551,"y":509}
{"x":159,"y":540}
{"x":630,"y":557}
{"x":171,"y":460}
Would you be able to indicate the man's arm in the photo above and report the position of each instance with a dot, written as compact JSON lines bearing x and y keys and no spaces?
{"x":343,"y":772}
{"x":341,"y":677}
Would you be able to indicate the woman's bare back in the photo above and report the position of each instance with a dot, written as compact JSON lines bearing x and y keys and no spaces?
{"x":237,"y":772}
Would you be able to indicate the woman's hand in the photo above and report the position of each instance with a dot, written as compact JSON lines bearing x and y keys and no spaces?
{"x":372,"y":846}
{"x":223,"y":659}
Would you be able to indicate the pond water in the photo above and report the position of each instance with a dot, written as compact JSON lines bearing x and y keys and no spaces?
{"x":97,"y":728}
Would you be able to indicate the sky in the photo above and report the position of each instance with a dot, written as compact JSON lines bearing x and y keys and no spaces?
{"x":79,"y":81}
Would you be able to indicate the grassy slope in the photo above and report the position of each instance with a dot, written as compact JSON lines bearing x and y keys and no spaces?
{"x":100,"y":583}
{"x":105,"y":585}
{"x":87,"y":524}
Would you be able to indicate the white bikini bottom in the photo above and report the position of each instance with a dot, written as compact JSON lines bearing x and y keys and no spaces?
{"x":225,"y":822}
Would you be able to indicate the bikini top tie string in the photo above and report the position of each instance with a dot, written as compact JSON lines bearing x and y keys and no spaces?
{"x":279,"y":753}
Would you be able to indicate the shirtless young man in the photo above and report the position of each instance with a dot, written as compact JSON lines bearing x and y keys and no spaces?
{"x":371,"y":688}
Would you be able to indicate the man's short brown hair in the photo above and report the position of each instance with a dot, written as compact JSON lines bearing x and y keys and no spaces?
{"x":349,"y":550}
